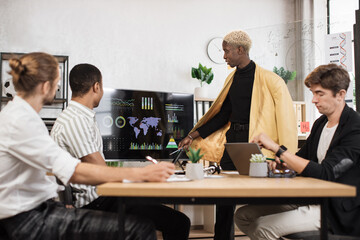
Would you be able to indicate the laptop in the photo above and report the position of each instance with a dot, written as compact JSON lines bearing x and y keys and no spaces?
{"x":240,"y":154}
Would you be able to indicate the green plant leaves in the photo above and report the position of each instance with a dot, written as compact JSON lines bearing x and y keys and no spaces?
{"x":285,"y":74}
{"x":194,"y":155}
{"x":208,"y":78}
{"x":257,"y":158}
{"x":293,"y":75}
{"x":195,"y":73}
{"x":203,"y":74}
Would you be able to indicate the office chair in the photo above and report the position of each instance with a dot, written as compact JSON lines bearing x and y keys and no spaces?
{"x":65,"y":195}
{"x":3,"y":234}
{"x":315,"y":235}
{"x":307,"y":235}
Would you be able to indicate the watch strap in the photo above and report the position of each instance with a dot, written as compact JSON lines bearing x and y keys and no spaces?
{"x":281,"y":150}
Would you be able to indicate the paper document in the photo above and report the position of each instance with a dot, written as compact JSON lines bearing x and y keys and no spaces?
{"x":178,"y":178}
{"x":215,"y":176}
{"x":230,"y":172}
{"x":172,"y":178}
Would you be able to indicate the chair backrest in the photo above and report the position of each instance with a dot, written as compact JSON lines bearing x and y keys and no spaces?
{"x":315,"y":235}
{"x":65,"y":195}
{"x":306,"y":235}
{"x":3,"y":234}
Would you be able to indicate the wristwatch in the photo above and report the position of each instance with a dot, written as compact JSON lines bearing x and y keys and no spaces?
{"x":281,"y":150}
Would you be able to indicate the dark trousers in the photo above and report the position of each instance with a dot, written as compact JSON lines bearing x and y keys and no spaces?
{"x":51,"y":220}
{"x":224,"y":226}
{"x":174,"y":225}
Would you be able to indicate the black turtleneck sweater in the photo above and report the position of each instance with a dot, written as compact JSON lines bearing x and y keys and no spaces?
{"x":236,"y":107}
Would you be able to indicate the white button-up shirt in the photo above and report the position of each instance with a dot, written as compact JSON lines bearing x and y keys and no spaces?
{"x":27,"y":152}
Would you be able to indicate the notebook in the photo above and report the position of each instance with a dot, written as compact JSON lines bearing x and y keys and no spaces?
{"x":240,"y":154}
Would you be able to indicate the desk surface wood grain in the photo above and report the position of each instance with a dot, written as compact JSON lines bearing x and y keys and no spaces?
{"x":231,"y":186}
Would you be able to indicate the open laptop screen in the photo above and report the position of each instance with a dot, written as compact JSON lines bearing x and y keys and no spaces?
{"x":240,"y":154}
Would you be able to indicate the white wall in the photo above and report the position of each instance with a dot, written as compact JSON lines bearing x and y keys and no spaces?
{"x":138,"y":44}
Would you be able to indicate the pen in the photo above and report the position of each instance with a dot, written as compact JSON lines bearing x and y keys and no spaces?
{"x":273,"y":159}
{"x":175,"y":151}
{"x":178,"y":156}
{"x":154,"y":161}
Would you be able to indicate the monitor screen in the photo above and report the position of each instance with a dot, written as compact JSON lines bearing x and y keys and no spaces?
{"x":134,"y":124}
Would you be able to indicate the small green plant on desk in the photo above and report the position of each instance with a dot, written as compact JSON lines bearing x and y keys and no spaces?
{"x":203,"y":74}
{"x":194,"y":155}
{"x":194,"y":169}
{"x":258,"y":166}
{"x":257,"y":158}
{"x":285,"y":74}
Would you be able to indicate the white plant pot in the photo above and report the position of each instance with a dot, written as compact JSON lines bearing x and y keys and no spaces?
{"x":201,"y":92}
{"x":194,"y":171}
{"x":258,"y":169}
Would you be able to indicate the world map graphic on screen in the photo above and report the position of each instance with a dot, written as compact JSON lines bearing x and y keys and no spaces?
{"x":144,"y":125}
{"x":135,"y":124}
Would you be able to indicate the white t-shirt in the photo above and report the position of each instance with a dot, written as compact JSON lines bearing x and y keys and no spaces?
{"x":27,"y":152}
{"x":326,"y":136}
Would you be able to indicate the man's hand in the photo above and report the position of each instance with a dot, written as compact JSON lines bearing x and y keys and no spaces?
{"x":91,"y":174}
{"x":157,"y":172}
{"x":272,"y":165}
{"x":277,"y":165}
{"x":264,"y":141}
{"x":185,"y":143}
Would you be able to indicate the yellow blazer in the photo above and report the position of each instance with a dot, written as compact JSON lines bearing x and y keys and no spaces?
{"x":271,"y":112}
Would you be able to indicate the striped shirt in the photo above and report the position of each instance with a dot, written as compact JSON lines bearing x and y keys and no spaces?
{"x":76,"y":131}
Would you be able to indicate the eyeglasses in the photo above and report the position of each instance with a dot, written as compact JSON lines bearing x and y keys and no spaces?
{"x":277,"y":173}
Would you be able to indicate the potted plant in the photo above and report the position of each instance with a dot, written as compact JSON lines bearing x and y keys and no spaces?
{"x":194,"y":169}
{"x":285,"y":74}
{"x":258,"y":166}
{"x":204,"y":75}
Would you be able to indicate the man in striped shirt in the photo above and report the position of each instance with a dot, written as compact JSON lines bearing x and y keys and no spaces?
{"x":76,"y":131}
{"x":27,"y":153}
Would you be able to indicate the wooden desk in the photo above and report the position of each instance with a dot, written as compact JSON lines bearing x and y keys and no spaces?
{"x":232,"y":189}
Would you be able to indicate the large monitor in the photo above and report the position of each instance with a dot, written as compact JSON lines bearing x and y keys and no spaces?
{"x":134,"y":124}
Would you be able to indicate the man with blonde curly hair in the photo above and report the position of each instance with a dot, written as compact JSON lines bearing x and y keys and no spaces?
{"x":253,"y":100}
{"x":239,"y":38}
